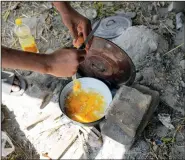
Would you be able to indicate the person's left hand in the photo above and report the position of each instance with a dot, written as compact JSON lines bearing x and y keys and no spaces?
{"x":78,"y":25}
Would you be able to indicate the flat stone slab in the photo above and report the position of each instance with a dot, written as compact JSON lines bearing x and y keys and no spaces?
{"x":129,"y":113}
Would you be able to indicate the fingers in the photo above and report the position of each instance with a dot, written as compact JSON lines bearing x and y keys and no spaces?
{"x":73,"y":32}
{"x":86,"y":31}
{"x":81,"y":53}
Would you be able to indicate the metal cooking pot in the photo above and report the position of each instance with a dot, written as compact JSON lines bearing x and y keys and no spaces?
{"x":107,"y":62}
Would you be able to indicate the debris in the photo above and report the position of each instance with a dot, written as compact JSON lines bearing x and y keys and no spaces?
{"x":161,"y":131}
{"x":36,"y":121}
{"x":161,"y":4}
{"x":48,"y":5}
{"x":62,"y":146}
{"x":139,"y":77}
{"x":174,"y":49}
{"x":45,"y":155}
{"x":169,"y":23}
{"x":166,"y":120}
{"x":131,"y":14}
{"x":6,"y":15}
{"x":180,"y":36}
{"x":155,"y":147}
{"x":36,"y":24}
{"x":158,"y":57}
{"x":176,"y":6}
{"x":6,"y":149}
{"x":158,"y":142}
{"x":148,"y":75}
{"x":54,"y":127}
{"x":91,"y":13}
{"x":155,"y":18}
{"x":14,"y":6}
{"x":182,"y":64}
{"x":167,"y":140}
{"x":46,"y":100}
{"x":180,"y":19}
{"x":127,"y":14}
{"x":83,"y":145}
{"x":49,"y":51}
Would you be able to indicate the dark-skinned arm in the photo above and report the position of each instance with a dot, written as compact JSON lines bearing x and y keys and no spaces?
{"x":61,"y":63}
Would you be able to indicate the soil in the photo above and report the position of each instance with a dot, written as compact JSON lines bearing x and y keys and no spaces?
{"x":160,"y":70}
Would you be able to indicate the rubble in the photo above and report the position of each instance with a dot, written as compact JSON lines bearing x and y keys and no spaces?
{"x":180,"y":19}
{"x":182,"y":64}
{"x":166,"y":120}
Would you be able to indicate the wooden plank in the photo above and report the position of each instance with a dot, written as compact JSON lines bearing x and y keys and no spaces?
{"x":75,"y":151}
{"x":62,"y":146}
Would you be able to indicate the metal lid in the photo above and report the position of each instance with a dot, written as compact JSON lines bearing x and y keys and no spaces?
{"x":112,"y":27}
{"x":107,"y":62}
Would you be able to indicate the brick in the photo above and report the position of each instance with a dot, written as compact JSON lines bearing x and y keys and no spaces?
{"x":129,"y":113}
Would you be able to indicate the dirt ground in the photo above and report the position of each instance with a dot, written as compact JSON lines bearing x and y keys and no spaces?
{"x":159,"y":71}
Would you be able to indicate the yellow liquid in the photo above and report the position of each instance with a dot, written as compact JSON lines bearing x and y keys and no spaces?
{"x":85,"y":106}
{"x":28,"y":44}
{"x":26,"y":40}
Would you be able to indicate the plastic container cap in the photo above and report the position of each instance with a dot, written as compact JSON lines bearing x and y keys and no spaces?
{"x":18,"y":21}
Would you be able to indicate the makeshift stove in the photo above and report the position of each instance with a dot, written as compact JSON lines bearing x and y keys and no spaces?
{"x":133,"y":104}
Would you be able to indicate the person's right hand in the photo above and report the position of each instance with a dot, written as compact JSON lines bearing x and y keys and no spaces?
{"x":65,"y":62}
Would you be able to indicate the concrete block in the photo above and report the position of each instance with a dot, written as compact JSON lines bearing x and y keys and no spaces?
{"x":128,"y":108}
{"x":129,"y":113}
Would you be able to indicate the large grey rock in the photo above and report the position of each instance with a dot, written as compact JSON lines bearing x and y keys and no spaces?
{"x":140,"y":41}
{"x":129,"y":113}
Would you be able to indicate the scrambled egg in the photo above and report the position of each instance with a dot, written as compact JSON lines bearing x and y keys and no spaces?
{"x":84,"y":106}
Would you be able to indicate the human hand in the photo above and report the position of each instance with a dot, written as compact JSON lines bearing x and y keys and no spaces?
{"x":77,"y":24}
{"x":65,"y":62}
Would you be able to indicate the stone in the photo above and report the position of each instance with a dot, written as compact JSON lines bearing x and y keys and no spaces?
{"x":176,"y":7}
{"x":139,"y":77}
{"x":179,"y":20}
{"x":161,"y":131}
{"x":182,"y":64}
{"x":131,"y":14}
{"x":148,"y":75}
{"x":177,"y":152}
{"x":180,"y":36}
{"x":182,"y":84}
{"x":158,"y":57}
{"x":169,"y":23}
{"x":166,"y":120}
{"x":139,"y":147}
{"x":129,"y":113}
{"x":155,"y":18}
{"x":91,"y":13}
{"x":140,"y":41}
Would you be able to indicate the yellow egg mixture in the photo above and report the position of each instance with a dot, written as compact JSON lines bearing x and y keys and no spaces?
{"x":84,"y":105}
